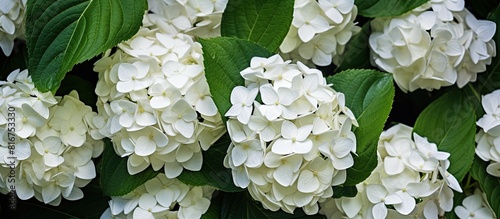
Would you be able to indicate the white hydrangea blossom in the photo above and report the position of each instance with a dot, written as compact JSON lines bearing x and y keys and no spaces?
{"x":438,"y":44}
{"x":410,"y":181}
{"x":319,"y":31}
{"x":200,"y":18}
{"x":293,"y":144}
{"x":487,"y":147}
{"x":154,"y":101}
{"x":475,"y":206}
{"x":161,"y":197}
{"x":53,"y":149}
{"x":11,"y":23}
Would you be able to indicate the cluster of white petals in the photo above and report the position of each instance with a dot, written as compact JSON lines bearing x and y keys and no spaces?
{"x":161,"y":197}
{"x":11,"y":23}
{"x":438,"y":44}
{"x":488,"y":138}
{"x":410,"y":181}
{"x":292,"y":142}
{"x":52,"y":150}
{"x":319,"y":31}
{"x":154,"y":102}
{"x":475,"y":206}
{"x":200,"y":18}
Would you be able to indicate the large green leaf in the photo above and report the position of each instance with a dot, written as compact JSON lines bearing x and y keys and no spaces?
{"x":450,"y":122}
{"x":213,"y":172}
{"x":61,"y":34}
{"x":265,"y":22}
{"x":386,"y":8}
{"x":489,"y":184}
{"x":115,"y":179}
{"x":224,"y":58}
{"x":489,"y":81}
{"x":241,"y":205}
{"x":369,"y":94}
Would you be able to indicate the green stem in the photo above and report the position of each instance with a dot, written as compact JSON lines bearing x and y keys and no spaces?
{"x":474,"y":91}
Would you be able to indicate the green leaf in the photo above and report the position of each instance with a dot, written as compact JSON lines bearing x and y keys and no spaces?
{"x":224,"y":58}
{"x":214,"y":210}
{"x":344,"y":191}
{"x":369,"y":94}
{"x":115,"y":179}
{"x":265,"y":22}
{"x":450,"y":122}
{"x":490,"y":185}
{"x":489,"y":80}
{"x":386,"y":8}
{"x":241,"y":205}
{"x":213,"y":172}
{"x":60,"y":34}
{"x":364,"y":164}
{"x":357,"y":51}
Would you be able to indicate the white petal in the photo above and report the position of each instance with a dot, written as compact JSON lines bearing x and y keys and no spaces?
{"x":144,"y":146}
{"x":239,"y":155}
{"x":268,"y":94}
{"x":307,"y":183}
{"x":7,"y":24}
{"x":379,"y":211}
{"x":393,"y":165}
{"x":50,"y":193}
{"x":140,"y":213}
{"x":461,"y":212}
{"x":352,"y":206}
{"x":173,"y":170}
{"x":86,"y":171}
{"x":288,"y":130}
{"x":302,"y":147}
{"x":431,"y":210}
{"x":282,"y":146}
{"x":375,"y":193}
{"x":195,"y":163}
{"x":186,"y":129}
{"x":147,"y":201}
{"x":206,"y":106}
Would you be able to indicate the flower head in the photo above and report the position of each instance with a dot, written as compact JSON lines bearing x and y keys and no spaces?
{"x":294,"y":142}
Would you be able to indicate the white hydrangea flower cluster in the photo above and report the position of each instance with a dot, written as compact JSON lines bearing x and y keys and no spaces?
{"x":411,"y":178}
{"x":475,"y":206}
{"x":438,"y":44}
{"x":488,"y":137}
{"x":200,"y":18}
{"x":11,"y":23}
{"x":294,"y":141}
{"x":319,"y":31}
{"x":154,"y":101}
{"x":161,"y":197}
{"x":52,"y":151}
